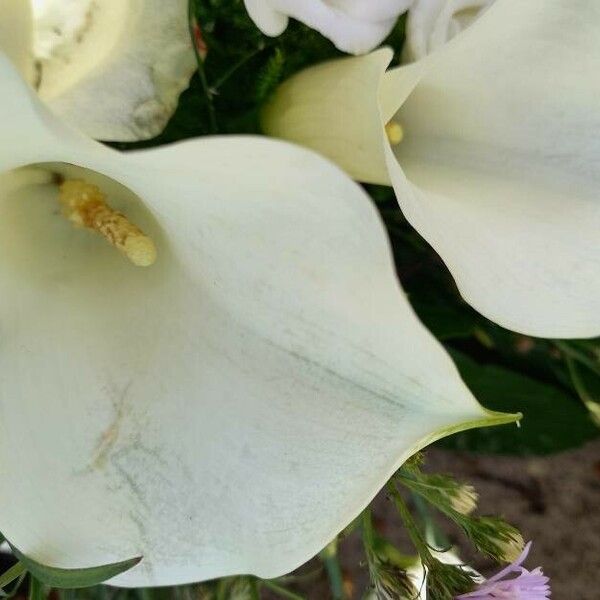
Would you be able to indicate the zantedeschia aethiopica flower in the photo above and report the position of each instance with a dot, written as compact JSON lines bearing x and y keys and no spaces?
{"x":228,"y":409}
{"x":494,"y":158}
{"x":112,"y":68}
{"x":432,"y":23}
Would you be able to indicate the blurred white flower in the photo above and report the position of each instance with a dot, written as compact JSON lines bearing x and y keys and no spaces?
{"x":492,"y":149}
{"x":354,"y":26}
{"x":229,"y":409}
{"x":432,"y":23}
{"x":112,"y":68}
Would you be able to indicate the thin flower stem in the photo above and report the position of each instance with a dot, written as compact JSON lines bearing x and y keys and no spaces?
{"x":13,"y":573}
{"x":413,"y":531}
{"x":281,"y":591}
{"x":221,"y":593}
{"x":36,"y":589}
{"x":254,"y":589}
{"x":367,"y":530}
{"x":579,"y":356}
{"x":15,"y":588}
{"x":329,"y":557}
{"x":212,"y":115}
{"x":590,"y":403}
{"x":434,"y":536}
{"x":238,"y":65}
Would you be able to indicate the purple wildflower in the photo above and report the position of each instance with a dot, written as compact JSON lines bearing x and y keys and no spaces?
{"x":528,"y":585}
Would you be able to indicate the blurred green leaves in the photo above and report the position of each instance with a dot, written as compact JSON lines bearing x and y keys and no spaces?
{"x":552,"y":421}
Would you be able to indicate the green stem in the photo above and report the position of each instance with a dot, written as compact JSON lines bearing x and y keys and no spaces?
{"x":434,"y":536}
{"x":212,"y":115}
{"x":221,"y":593}
{"x":36,"y":589}
{"x":281,"y":591}
{"x":329,"y":557}
{"x":367,"y":529}
{"x":238,"y":65}
{"x":413,"y":530}
{"x":13,"y":573}
{"x":590,"y":403}
{"x":254,"y":589}
{"x":579,"y":356}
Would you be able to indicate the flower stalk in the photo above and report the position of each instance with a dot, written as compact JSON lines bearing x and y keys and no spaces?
{"x":329,"y":556}
{"x":444,"y":581}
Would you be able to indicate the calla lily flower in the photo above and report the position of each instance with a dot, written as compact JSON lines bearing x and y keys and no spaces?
{"x":112,"y":68}
{"x":228,"y":409}
{"x":492,"y":150}
{"x":432,"y":23}
{"x":354,"y":26}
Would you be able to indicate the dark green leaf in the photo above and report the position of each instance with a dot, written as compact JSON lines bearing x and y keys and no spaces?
{"x":444,"y":320}
{"x":74,"y":578}
{"x":552,"y":419}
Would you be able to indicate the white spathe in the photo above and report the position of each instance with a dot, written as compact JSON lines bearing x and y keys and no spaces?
{"x":499,"y":167}
{"x":432,"y":23}
{"x":16,"y":34}
{"x":112,"y":68}
{"x":354,"y":26}
{"x":228,"y":410}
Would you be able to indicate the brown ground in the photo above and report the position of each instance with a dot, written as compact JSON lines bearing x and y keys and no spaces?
{"x":555,"y":501}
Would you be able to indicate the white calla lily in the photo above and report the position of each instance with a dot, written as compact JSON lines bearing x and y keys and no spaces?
{"x":432,"y":23}
{"x":16,"y":35}
{"x":112,"y":68}
{"x":498,"y":163}
{"x":354,"y":26}
{"x":229,"y":409}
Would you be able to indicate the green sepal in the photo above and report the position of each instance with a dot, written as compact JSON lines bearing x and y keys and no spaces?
{"x":74,"y":578}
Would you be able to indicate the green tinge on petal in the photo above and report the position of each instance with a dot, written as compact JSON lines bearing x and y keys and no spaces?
{"x":492,"y":419}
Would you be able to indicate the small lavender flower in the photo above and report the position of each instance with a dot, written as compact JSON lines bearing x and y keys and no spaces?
{"x":528,"y":585}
